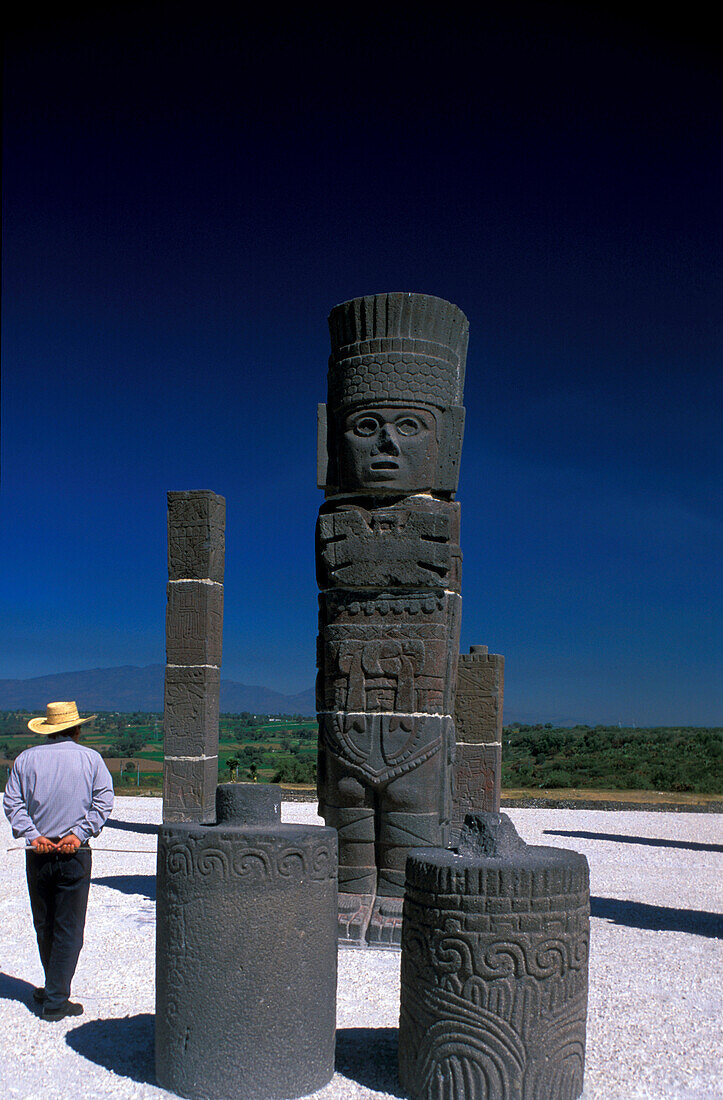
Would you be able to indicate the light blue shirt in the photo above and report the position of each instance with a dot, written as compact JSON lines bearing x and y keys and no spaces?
{"x":58,"y":788}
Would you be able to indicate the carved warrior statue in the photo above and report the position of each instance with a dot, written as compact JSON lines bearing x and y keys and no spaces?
{"x":389,"y":564}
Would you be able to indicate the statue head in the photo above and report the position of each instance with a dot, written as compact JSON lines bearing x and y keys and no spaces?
{"x":394,"y":418}
{"x":388,"y":448}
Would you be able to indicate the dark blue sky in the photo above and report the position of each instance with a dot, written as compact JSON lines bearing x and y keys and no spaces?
{"x":188,"y":193}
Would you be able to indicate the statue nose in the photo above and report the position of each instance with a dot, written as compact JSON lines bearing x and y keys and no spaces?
{"x":388,"y":440}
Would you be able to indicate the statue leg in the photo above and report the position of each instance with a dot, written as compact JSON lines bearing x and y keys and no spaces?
{"x":348,"y":806}
{"x":411,"y":815}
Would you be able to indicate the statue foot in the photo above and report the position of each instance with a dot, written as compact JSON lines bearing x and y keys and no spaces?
{"x":385,"y":925}
{"x":355,"y":911}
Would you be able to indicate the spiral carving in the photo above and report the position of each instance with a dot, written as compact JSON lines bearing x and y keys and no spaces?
{"x":452,"y":956}
{"x":252,"y":862}
{"x":323,"y":863}
{"x":502,"y":960}
{"x":291,"y":862}
{"x":212,"y":861}
{"x":179,"y":859}
{"x":548,"y":958}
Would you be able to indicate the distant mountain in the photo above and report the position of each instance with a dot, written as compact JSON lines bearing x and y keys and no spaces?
{"x":130,"y":688}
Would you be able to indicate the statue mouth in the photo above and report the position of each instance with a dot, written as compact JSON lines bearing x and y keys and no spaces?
{"x":384,"y":465}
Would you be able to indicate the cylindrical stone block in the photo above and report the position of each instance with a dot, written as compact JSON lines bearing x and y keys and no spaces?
{"x":248,"y":804}
{"x":246,"y":960}
{"x":494,"y":969}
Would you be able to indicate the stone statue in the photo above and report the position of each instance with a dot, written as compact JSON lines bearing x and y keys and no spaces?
{"x":389,"y":565}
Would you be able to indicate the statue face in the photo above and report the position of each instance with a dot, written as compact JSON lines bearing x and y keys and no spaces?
{"x":388,"y":448}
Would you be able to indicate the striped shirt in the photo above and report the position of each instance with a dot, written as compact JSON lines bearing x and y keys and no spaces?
{"x":57,"y":788}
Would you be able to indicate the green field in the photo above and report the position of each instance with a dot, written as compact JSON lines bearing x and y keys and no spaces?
{"x":535,"y":757}
{"x":266,"y":749}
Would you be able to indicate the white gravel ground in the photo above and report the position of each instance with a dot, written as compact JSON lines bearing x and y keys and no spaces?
{"x":654,"y":1021}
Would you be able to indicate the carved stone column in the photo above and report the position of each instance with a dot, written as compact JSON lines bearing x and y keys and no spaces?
{"x":478,"y":724}
{"x":194,"y":627}
{"x":494,"y":969}
{"x":246,"y":952}
{"x":389,"y":570}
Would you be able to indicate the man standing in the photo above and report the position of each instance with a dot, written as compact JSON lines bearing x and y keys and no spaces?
{"x":59,"y":794}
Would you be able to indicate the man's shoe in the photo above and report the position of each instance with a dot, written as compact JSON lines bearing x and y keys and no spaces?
{"x":39,"y":994}
{"x":67,"y":1009}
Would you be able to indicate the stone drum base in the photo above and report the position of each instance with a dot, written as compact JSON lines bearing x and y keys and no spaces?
{"x":246,"y":956}
{"x":494,"y":969}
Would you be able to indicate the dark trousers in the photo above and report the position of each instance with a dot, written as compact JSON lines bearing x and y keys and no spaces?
{"x":58,"y":886}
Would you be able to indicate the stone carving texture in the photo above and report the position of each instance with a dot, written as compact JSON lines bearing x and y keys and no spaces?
{"x":190,"y":713}
{"x":194,"y":626}
{"x":194,"y":623}
{"x":478,"y":725}
{"x":196,"y":536}
{"x":480,"y":690}
{"x":494,"y":969}
{"x":188,"y":788}
{"x":246,"y":954}
{"x":476,"y":782}
{"x":389,"y":573}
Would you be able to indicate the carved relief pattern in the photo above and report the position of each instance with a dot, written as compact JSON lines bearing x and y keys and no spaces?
{"x":218,"y":858}
{"x":494,"y":983}
{"x":477,"y":771}
{"x":190,"y":712}
{"x":194,"y":623}
{"x":389,"y":653}
{"x":409,"y":544}
{"x":378,"y":748}
{"x":194,"y":634}
{"x":478,"y":705}
{"x":189,"y":788}
{"x":196,"y":536}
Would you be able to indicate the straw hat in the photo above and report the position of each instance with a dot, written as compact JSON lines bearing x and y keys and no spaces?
{"x":58,"y":716}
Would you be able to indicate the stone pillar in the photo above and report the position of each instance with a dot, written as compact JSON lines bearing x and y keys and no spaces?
{"x":389,"y":571}
{"x":494,"y":969}
{"x":478,"y":724}
{"x":194,"y":627}
{"x":246,"y":953}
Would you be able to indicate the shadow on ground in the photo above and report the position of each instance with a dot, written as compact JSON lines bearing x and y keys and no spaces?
{"x":129,"y":884}
{"x":16,"y":989}
{"x":124,"y":1046}
{"x":368,"y":1055}
{"x":655,"y":842}
{"x":130,"y":826}
{"x":658,"y":918}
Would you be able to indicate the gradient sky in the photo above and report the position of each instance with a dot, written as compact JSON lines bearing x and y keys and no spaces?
{"x":188,"y":193}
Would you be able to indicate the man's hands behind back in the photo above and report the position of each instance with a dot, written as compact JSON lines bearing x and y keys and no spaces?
{"x":66,"y":845}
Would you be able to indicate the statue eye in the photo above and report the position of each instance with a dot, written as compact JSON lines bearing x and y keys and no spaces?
{"x":408,"y":425}
{"x":366,"y":426}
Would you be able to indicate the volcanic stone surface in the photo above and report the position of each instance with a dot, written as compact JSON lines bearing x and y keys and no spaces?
{"x":494,"y":968}
{"x":246,"y":955}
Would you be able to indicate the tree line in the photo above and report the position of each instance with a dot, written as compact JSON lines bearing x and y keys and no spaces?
{"x":614,"y":758}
